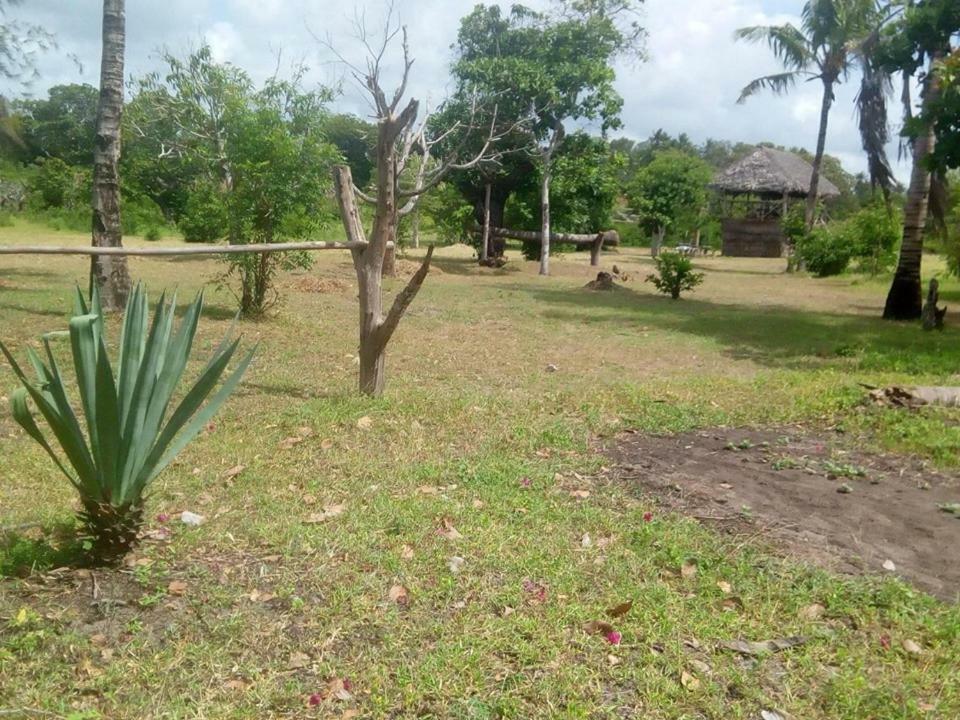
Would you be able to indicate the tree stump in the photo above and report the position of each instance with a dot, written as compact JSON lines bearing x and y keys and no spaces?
{"x":932,"y":316}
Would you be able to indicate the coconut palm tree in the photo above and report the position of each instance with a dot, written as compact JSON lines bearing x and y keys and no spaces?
{"x":109,"y":272}
{"x":825,"y":48}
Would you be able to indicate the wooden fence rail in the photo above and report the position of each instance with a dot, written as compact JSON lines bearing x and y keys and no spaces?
{"x":167,"y":251}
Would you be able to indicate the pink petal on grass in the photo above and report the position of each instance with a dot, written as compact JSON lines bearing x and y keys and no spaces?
{"x":647,"y":516}
{"x":315,"y":699}
{"x":526,"y":482}
{"x":613,"y":637}
{"x":163,"y":517}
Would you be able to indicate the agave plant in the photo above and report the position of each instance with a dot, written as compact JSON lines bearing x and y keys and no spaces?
{"x":130,"y":435}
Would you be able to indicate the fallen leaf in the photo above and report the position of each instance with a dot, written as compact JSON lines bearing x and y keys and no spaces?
{"x":585,"y":541}
{"x":620,"y":610}
{"x":448,"y":531}
{"x":725,"y":486}
{"x":298,"y":660}
{"x":289,"y":442}
{"x":771,"y":715}
{"x":456,"y":564}
{"x":326,"y":444}
{"x":580,"y":494}
{"x":406,"y":552}
{"x":889,"y":566}
{"x":762,"y":647}
{"x":257,"y":596}
{"x":688,"y":569}
{"x":690,"y":682}
{"x":724,"y":586}
{"x":613,"y":659}
{"x":399,"y":595}
{"x":365,"y":423}
{"x":911,"y":647}
{"x":236,"y":684}
{"x":191,"y":519}
{"x":597,"y":627}
{"x":507,"y":611}
{"x":813,"y":612}
{"x":329,"y":511}
{"x":350,"y":714}
{"x":732,"y":603}
{"x":234,"y":471}
{"x":177,"y":587}
{"x":339,"y":688}
{"x":428,"y":490}
{"x":477,"y":504}
{"x":700,"y":666}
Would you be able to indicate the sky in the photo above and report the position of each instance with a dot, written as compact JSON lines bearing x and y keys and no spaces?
{"x":689,"y":83}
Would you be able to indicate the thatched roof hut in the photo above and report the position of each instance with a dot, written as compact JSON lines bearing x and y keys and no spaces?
{"x":771,"y":173}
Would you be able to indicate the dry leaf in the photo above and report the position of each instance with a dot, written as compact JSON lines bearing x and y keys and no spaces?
{"x":613,"y":659}
{"x":456,"y":564}
{"x":585,"y":541}
{"x":234,"y":471}
{"x":338,"y":688}
{"x":689,"y":681}
{"x":236,"y":684}
{"x":700,"y":666}
{"x":813,"y":612}
{"x":350,"y":714}
{"x":329,"y":511}
{"x":399,"y":595}
{"x":732,"y":603}
{"x":326,"y":444}
{"x":911,"y":647}
{"x":257,"y":596}
{"x":889,"y":566}
{"x":448,"y":531}
{"x":688,"y":569}
{"x":580,"y":494}
{"x":762,"y":647}
{"x":365,"y":423}
{"x":724,"y":586}
{"x":428,"y":490}
{"x":597,"y":627}
{"x":620,"y":610}
{"x":507,"y":611}
{"x":298,"y":660}
{"x":406,"y":552}
{"x":477,"y":504}
{"x":177,"y":587}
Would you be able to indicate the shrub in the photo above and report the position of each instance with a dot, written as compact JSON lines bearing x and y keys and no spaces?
{"x":152,"y":233}
{"x":674,"y":274}
{"x":205,"y":218}
{"x":874,"y":234}
{"x":138,"y":214}
{"x":825,"y":251}
{"x":55,"y":184}
{"x":131,"y":435}
{"x":6,"y":219}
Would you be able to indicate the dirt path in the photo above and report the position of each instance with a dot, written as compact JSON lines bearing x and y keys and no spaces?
{"x":816,"y":497}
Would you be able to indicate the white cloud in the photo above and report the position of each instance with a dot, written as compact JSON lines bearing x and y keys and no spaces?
{"x":690,"y":83}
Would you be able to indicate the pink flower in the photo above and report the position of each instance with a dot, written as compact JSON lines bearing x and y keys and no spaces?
{"x":347,"y":685}
{"x":163,"y":517}
{"x":613,"y":637}
{"x":647,"y":516}
{"x":526,"y":482}
{"x":885,"y":642}
{"x":315,"y":699}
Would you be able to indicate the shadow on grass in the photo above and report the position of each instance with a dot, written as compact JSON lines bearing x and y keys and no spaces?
{"x":50,"y":312}
{"x":470,"y":266}
{"x":25,"y":550}
{"x":770,"y":335}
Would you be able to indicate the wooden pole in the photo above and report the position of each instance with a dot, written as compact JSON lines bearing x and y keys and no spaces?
{"x":261,"y":248}
{"x":485,"y":252}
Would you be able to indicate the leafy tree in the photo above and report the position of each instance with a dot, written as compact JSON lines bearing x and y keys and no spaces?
{"x":944,"y":114}
{"x":355,"y":138}
{"x":825,"y":48}
{"x":61,"y":126}
{"x":547,"y":70}
{"x":257,"y":161}
{"x":670,"y":193}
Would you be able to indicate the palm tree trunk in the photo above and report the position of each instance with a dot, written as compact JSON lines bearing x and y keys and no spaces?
{"x":109,"y":272}
{"x":811,"y":211}
{"x":905,"y":299}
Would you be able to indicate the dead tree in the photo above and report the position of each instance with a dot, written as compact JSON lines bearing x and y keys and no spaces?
{"x":109,"y":272}
{"x":400,"y":136}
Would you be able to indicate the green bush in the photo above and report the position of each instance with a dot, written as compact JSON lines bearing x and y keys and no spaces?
{"x":826,"y":250}
{"x":152,"y":233}
{"x":205,"y":218}
{"x":138,"y":214}
{"x":874,"y":233}
{"x":674,"y":274}
{"x":55,"y":184}
{"x":6,"y":218}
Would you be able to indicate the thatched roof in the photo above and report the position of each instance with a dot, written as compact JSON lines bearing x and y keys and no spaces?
{"x":774,"y":172}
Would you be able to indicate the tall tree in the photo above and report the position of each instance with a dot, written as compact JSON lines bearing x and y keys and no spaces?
{"x":918,"y":40}
{"x":549,"y":69}
{"x":109,"y":272}
{"x":824,"y":48}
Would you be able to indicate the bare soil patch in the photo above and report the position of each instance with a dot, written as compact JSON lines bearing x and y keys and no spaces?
{"x":817,"y":498}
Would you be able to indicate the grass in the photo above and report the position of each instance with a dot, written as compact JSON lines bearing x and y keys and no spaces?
{"x":251,"y":613}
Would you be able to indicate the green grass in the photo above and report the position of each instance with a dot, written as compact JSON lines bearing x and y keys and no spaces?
{"x":470,"y":412}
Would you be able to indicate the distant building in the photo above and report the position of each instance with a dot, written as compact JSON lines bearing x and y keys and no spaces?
{"x":756,"y":193}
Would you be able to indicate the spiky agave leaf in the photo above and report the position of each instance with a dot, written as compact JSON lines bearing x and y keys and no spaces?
{"x":130,"y":434}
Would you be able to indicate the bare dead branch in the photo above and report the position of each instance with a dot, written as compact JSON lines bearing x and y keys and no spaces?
{"x":403,"y":300}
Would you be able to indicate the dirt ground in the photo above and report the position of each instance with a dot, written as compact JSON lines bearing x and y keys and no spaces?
{"x":817,"y":498}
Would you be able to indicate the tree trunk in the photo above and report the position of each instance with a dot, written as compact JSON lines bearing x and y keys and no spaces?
{"x":905,"y":299}
{"x":390,"y":260}
{"x":657,"y":243}
{"x":810,"y":216}
{"x":497,"y":245}
{"x":545,"y":220}
{"x":485,"y":244}
{"x":109,"y":272}
{"x":415,"y":228}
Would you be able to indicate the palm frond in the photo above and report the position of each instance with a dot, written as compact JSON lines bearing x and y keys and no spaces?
{"x":872,"y":118}
{"x":787,"y":43}
{"x":778,"y":84}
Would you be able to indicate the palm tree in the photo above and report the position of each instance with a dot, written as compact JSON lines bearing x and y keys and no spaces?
{"x":824,"y":48}
{"x":109,"y":272}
